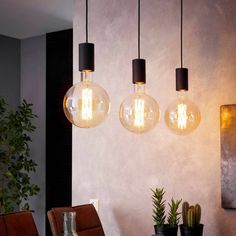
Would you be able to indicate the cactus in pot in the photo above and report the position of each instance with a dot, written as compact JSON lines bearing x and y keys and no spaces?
{"x":191,"y":220}
{"x":197,"y":214}
{"x":185,"y":207}
{"x":191,"y":217}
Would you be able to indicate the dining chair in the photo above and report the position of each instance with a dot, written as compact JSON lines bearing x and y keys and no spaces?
{"x":87,"y":220}
{"x":19,"y":223}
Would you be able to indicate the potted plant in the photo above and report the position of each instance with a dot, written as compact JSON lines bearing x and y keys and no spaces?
{"x":191,"y":220}
{"x":173,"y":218}
{"x":15,"y":161}
{"x":159,"y":216}
{"x":158,"y":210}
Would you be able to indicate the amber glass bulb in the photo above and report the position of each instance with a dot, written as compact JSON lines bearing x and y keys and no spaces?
{"x":182,"y":116}
{"x":86,"y":104}
{"x":139,"y":112}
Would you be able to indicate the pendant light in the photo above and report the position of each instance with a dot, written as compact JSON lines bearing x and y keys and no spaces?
{"x":182,"y":115}
{"x":86,"y":104}
{"x":139,"y":112}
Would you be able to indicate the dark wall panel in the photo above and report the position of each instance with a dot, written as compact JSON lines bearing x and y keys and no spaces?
{"x":10,"y":70}
{"x":59,"y":64}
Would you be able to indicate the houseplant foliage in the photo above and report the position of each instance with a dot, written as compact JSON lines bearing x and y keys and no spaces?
{"x":191,"y":220}
{"x":173,"y":218}
{"x":158,"y":209}
{"x":15,"y":161}
{"x":159,"y":215}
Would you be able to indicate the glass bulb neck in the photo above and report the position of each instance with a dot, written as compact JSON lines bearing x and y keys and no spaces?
{"x":139,"y":88}
{"x":182,"y":94}
{"x":86,"y":76}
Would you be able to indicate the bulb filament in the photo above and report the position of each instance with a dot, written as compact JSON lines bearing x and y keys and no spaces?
{"x":182,"y":116}
{"x":87,"y":104}
{"x":139,"y":112}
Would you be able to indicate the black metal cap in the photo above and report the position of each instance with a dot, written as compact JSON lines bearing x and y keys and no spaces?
{"x":86,"y":57}
{"x":139,"y":71}
{"x":181,"y":79}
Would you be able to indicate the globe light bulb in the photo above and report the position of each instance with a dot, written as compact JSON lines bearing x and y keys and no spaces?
{"x":182,"y":116}
{"x":139,"y":112}
{"x":86,"y":104}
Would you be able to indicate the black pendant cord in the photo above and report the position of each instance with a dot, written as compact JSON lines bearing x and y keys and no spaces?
{"x":139,"y":29}
{"x":181,"y":35}
{"x":86,"y":21}
{"x":181,"y":73}
{"x":86,"y":50}
{"x":139,"y":65}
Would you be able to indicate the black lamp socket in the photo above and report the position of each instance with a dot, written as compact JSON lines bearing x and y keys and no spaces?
{"x":139,"y":71}
{"x":86,"y":57}
{"x":181,"y":79}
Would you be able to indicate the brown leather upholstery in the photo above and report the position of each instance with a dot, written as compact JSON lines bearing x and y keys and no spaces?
{"x":87,"y":220}
{"x":18,"y":224}
{"x":2,"y":226}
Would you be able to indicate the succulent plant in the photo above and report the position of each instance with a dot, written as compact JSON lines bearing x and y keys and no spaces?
{"x":173,"y":215}
{"x":159,"y":215}
{"x":158,"y":206}
{"x":191,"y":215}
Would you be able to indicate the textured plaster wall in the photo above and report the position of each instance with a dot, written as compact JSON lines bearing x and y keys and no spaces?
{"x":119,"y":167}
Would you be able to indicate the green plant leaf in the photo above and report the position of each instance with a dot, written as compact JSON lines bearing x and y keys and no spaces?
{"x":15,"y":162}
{"x":158,"y":206}
{"x":173,"y":214}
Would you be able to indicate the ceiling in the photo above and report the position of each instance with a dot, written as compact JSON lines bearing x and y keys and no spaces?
{"x":27,"y":18}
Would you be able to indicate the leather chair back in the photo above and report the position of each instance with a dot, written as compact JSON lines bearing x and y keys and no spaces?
{"x":87,"y":220}
{"x":18,"y":224}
